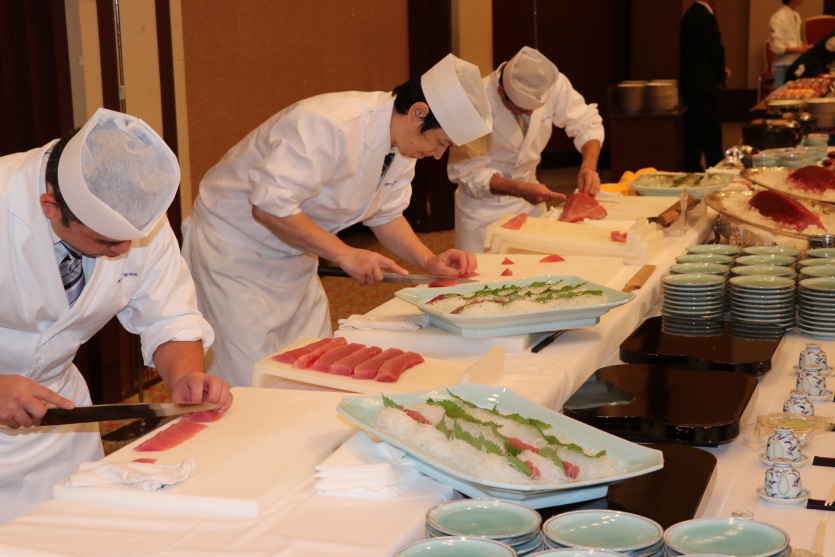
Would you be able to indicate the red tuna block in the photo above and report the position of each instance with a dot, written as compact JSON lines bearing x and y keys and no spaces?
{"x":307,"y":360}
{"x":346,"y":365}
{"x":394,"y":368}
{"x":581,"y":206}
{"x":290,"y":356}
{"x":327,"y":359}
{"x":369,"y":368}
{"x":813,"y":178}
{"x":784,"y":210}
{"x":171,"y":436}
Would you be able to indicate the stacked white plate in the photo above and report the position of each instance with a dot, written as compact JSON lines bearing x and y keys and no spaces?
{"x":694,"y":296}
{"x":823,"y":109}
{"x":816,"y":307}
{"x":762,"y":299}
{"x":661,"y":96}
{"x":726,"y":536}
{"x":514,"y":525}
{"x":630,"y":96}
{"x":625,"y":533}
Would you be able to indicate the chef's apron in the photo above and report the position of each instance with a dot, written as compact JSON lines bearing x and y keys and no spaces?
{"x":472,"y":216}
{"x":36,"y":458}
{"x":277,"y":298}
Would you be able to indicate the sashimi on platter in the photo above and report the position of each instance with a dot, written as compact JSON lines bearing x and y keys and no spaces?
{"x":809,"y":182}
{"x":773,"y":211}
{"x":394,"y":370}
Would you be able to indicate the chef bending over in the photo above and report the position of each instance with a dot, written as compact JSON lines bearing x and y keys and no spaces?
{"x":83,"y":238}
{"x":496,"y":174}
{"x":274,"y":203}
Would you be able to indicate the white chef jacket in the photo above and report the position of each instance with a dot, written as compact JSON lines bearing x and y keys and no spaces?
{"x":323,"y":157}
{"x":785,"y":32}
{"x":511,"y":155}
{"x":148,"y":289}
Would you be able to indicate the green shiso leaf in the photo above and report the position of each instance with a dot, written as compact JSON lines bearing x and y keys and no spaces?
{"x":519,"y":465}
{"x":389,"y":403}
{"x":551,"y":455}
{"x":479,"y":443}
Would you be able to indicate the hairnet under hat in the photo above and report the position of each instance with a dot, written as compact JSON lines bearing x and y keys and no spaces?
{"x":118,"y":176}
{"x":528,"y":78}
{"x":456,"y":97}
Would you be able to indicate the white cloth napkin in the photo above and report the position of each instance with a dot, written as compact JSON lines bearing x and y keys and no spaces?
{"x":361,"y":468}
{"x":141,"y":475}
{"x":385,"y":322}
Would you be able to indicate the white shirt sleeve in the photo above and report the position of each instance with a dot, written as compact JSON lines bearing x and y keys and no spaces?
{"x":469,"y":167}
{"x":784,"y":29}
{"x":581,"y":121}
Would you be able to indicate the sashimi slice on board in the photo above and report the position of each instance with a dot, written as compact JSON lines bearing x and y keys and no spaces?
{"x":580,"y":206}
{"x":326,"y":360}
{"x":307,"y":360}
{"x":392,"y":369}
{"x":369,"y":368}
{"x":346,"y":365}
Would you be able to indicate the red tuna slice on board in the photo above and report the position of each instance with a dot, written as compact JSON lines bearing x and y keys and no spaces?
{"x":306,"y":360}
{"x":171,"y":436}
{"x":507,"y":272}
{"x":394,"y":368}
{"x":784,"y":210}
{"x":581,"y":206}
{"x":369,"y":368}
{"x":508,"y":261}
{"x":443,"y":282}
{"x":205,"y":416}
{"x":813,"y":178}
{"x":346,"y":365}
{"x":145,"y":460}
{"x":291,"y":356}
{"x":617,"y":236}
{"x":516,"y":222}
{"x":553,"y":258}
{"x":335,"y":354}
{"x":467,"y":275}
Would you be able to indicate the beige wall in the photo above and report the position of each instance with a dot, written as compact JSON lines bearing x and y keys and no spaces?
{"x":472,"y":32}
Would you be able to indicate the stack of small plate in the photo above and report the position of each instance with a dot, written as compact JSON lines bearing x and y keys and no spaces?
{"x":823,"y":109}
{"x":625,"y":533}
{"x":821,"y":252}
{"x":771,"y":250}
{"x":630,"y":95}
{"x":706,"y":258}
{"x":762,"y":299}
{"x":726,"y":536}
{"x":456,"y":546}
{"x":767,"y":270}
{"x":816,"y":307}
{"x":815,"y":261}
{"x":817,"y":271}
{"x":722,"y":249}
{"x":694,"y":297}
{"x":766,"y":259}
{"x":512,"y":524}
{"x":661,"y":96}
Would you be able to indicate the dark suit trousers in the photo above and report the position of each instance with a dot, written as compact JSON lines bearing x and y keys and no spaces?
{"x":702,"y":132}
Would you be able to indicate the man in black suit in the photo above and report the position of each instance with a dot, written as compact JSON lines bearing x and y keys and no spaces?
{"x":702,"y":73}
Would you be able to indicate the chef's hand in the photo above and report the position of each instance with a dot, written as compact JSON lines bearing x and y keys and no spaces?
{"x":451,"y":263}
{"x":588,"y":181}
{"x":367,"y":267}
{"x":537,"y":193}
{"x":22,"y":401}
{"x":202,"y":387}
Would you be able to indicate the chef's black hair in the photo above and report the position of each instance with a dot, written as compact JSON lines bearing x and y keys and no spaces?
{"x":409,"y":93}
{"x":51,"y":177}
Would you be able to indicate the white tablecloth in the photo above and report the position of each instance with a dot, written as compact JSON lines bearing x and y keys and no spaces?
{"x":305,"y":524}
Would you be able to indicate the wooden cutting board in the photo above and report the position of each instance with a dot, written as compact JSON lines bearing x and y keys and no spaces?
{"x":268,"y":442}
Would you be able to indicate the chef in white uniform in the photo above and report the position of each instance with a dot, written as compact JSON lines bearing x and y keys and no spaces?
{"x":785,"y":29}
{"x":275,"y":201}
{"x":496,"y":174}
{"x":117,"y":177}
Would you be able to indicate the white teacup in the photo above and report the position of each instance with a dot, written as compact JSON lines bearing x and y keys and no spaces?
{"x":812,"y":357}
{"x":783,"y":444}
{"x":797,"y":403}
{"x":811,"y":382}
{"x":782,"y":481}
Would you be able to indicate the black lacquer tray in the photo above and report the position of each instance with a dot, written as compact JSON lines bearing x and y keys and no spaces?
{"x":733,"y":348}
{"x":650,"y":403}
{"x":668,"y":496}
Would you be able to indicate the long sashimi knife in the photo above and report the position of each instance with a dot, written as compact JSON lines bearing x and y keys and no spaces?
{"x":107,"y":412}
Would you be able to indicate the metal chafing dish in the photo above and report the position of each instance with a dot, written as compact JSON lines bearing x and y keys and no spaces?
{"x":743,"y":232}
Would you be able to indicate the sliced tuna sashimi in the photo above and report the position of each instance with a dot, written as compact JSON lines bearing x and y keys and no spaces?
{"x":444,"y":282}
{"x":784,"y":210}
{"x":369,"y":368}
{"x":467,"y":275}
{"x":553,"y":258}
{"x":516,"y":222}
{"x":205,"y":416}
{"x":392,"y":369}
{"x":171,"y":436}
{"x":307,"y":360}
{"x":617,"y":236}
{"x":813,"y":178}
{"x":507,"y":261}
{"x":507,"y":272}
{"x":333,"y":355}
{"x":581,"y":206}
{"x":346,"y":365}
{"x":291,"y":356}
{"x":145,"y":460}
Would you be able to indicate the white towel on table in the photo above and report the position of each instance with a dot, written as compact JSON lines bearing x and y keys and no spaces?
{"x":385,"y":322}
{"x":142,"y":475}
{"x":362,"y":468}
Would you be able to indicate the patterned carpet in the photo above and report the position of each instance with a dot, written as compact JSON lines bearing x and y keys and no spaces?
{"x":346,"y":297}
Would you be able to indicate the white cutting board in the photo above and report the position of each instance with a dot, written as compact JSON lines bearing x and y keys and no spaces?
{"x":432,"y":339}
{"x":268,"y":442}
{"x":431,"y":374}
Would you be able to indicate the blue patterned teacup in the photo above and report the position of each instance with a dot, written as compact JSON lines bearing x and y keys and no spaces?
{"x":811,"y":382}
{"x":799,"y":404}
{"x":782,"y":481}
{"x":783,"y":444}
{"x":812,"y":357}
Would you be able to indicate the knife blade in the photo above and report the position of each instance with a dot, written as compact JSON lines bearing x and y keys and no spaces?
{"x":639,"y":278}
{"x":327,"y":271}
{"x":107,"y":412}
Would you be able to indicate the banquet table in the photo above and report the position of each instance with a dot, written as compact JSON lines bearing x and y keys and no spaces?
{"x":304,"y":523}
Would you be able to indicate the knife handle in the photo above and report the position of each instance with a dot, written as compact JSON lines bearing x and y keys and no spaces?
{"x":329,"y":271}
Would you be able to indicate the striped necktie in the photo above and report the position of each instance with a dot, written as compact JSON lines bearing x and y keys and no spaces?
{"x":387,"y":163}
{"x":72,"y":274}
{"x":523,"y":123}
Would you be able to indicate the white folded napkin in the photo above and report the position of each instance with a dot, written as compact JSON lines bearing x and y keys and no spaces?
{"x":385,"y":322}
{"x":364,"y":469}
{"x":141,"y":475}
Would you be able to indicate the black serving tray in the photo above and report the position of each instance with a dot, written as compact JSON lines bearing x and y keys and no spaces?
{"x":670,"y":495}
{"x":734,"y":348}
{"x":648,"y":403}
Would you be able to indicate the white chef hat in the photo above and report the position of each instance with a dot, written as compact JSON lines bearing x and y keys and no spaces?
{"x":455,"y":94}
{"x":118,"y":176}
{"x":528,"y":78}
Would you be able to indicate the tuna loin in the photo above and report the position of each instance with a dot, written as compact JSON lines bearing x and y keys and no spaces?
{"x":581,"y":206}
{"x":785,"y":210}
{"x":391,"y":370}
{"x":813,"y":178}
{"x":346,"y":365}
{"x":369,"y":368}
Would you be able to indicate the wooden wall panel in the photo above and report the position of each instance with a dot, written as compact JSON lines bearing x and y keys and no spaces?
{"x":248,"y":59}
